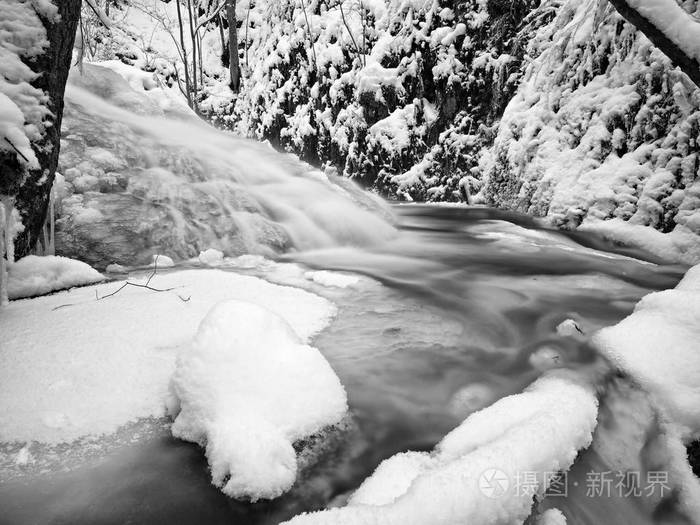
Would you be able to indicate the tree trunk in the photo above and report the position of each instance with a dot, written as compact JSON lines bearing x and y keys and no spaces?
{"x":678,"y":56}
{"x":53,"y":65}
{"x":233,"y":46}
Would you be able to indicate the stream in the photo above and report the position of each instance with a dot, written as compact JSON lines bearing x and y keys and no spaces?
{"x":458,"y":310}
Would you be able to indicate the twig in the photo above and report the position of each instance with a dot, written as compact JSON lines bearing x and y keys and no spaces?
{"x":17,"y":150}
{"x":146,"y":285}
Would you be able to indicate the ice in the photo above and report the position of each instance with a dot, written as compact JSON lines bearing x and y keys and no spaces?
{"x":540,"y":430}
{"x":97,"y":364}
{"x":34,"y":275}
{"x":248,"y":388}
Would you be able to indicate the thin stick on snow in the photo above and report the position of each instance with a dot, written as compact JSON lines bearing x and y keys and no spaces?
{"x":146,"y":285}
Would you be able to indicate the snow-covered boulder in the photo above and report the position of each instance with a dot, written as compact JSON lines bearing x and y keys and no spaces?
{"x":472,"y":474}
{"x":248,"y":388}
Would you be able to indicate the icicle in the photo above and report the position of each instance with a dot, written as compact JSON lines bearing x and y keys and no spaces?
{"x":5,"y":212}
{"x":51,"y":250}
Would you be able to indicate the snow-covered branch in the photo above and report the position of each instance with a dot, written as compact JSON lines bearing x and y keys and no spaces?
{"x":669,"y":27}
{"x":99,"y":12}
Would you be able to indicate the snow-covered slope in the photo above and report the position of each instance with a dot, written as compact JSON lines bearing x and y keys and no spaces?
{"x":557,"y":108}
{"x":602,"y":127}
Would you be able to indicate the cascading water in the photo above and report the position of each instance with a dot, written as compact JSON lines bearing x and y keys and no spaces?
{"x":139,"y":180}
{"x":459,"y":308}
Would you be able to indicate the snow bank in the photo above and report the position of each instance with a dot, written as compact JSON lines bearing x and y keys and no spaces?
{"x":249,"y":387}
{"x":659,"y":346}
{"x":471,"y":476}
{"x":33,"y":275}
{"x":73,"y":366}
{"x":680,"y":245}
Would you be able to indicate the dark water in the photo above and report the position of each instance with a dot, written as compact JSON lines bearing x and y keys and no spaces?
{"x":467,"y":297}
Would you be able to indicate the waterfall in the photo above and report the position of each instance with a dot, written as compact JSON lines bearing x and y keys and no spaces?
{"x":140,"y":179}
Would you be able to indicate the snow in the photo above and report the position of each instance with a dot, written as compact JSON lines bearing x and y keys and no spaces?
{"x":332,"y":279}
{"x":98,"y":364}
{"x":34,"y":275}
{"x":211,"y":257}
{"x":601,"y":129}
{"x":161,"y":261}
{"x":22,"y":106}
{"x":679,"y":245}
{"x":540,"y":430}
{"x":674,"y":22}
{"x":659,"y":347}
{"x":248,"y":388}
{"x":568,"y":328}
{"x":551,"y":517}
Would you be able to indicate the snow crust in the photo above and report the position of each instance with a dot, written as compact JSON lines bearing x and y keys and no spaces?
{"x":248,"y":388}
{"x":34,"y":275}
{"x":659,"y":346}
{"x":98,"y":364}
{"x":539,"y":430}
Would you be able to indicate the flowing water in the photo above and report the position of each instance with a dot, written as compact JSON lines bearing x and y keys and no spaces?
{"x":457,"y":307}
{"x":452,"y":314}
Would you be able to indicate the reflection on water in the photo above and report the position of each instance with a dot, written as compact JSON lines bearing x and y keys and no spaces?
{"x":462,"y":309}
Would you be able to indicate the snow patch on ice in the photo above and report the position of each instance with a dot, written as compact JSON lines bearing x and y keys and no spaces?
{"x":73,"y":366}
{"x":249,"y":387}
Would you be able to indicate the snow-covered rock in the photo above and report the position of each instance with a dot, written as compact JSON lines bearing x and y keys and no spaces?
{"x":659,"y":347}
{"x":34,"y":275}
{"x":249,"y":387}
{"x":472,"y":474}
{"x":211,"y":257}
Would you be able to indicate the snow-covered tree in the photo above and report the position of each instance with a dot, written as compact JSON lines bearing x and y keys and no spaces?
{"x":669,"y":27}
{"x":36,"y":43}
